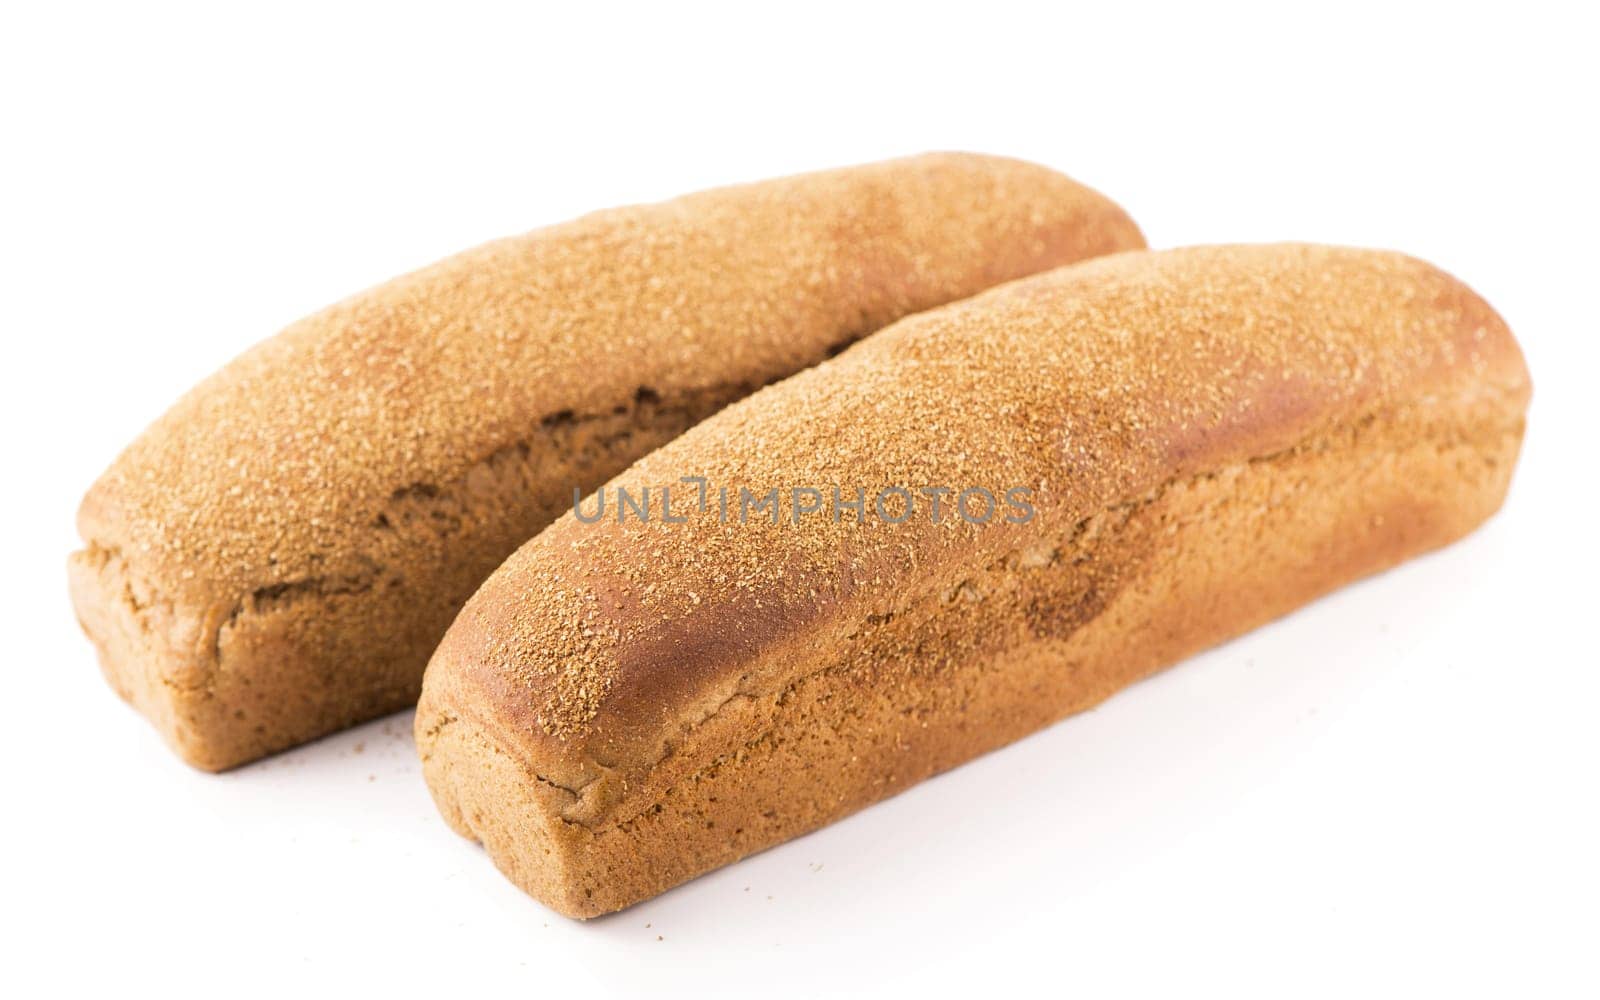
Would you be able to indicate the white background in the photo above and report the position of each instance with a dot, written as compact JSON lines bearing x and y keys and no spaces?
{"x":1393,"y":791}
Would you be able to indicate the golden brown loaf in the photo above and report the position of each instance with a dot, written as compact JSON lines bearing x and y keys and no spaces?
{"x":278,"y":555}
{"x":1211,"y":437}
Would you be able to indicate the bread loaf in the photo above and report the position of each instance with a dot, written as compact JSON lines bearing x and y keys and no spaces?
{"x":1202,"y":440}
{"x":278,"y":555}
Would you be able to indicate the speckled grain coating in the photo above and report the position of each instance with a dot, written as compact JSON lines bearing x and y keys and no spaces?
{"x":1214,"y":436}
{"x":276,"y":557}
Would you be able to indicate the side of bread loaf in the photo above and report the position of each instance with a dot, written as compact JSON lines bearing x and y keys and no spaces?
{"x":1208,"y":437}
{"x":276,"y":557}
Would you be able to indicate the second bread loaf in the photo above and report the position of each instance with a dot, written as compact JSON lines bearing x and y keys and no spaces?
{"x":1204,"y":439}
{"x":276,"y":557}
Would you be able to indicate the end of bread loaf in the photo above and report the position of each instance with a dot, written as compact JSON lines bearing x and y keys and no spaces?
{"x":1222,"y":435}
{"x":218,"y":695}
{"x":488,"y":795}
{"x":146,"y":652}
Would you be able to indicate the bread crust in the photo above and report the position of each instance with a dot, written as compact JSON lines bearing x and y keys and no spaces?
{"x":276,"y":557}
{"x":1214,"y":436}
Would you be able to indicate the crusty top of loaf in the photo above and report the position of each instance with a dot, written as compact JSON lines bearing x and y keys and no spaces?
{"x":273,"y":469}
{"x":598,"y":644}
